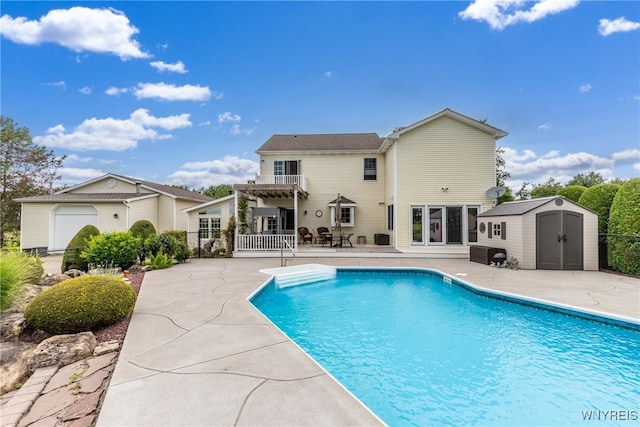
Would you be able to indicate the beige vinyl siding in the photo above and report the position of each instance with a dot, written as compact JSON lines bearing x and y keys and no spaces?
{"x":166,"y":214}
{"x":35,"y":225}
{"x":146,"y":208}
{"x":390,"y":190}
{"x":513,"y":244}
{"x":106,"y":220}
{"x":329,"y":175}
{"x":443,"y":153}
{"x":101,"y":186}
{"x":225,"y":213}
{"x":182,"y":219}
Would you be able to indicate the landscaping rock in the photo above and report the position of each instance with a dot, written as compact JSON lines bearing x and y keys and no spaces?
{"x":14,"y":357}
{"x":53,"y":279}
{"x":11,"y":326}
{"x":74,"y":272}
{"x":61,"y":350}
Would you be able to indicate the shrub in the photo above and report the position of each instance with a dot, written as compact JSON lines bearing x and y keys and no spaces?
{"x":624,"y":219}
{"x":142,"y":229}
{"x":160,"y":261}
{"x":16,"y":270}
{"x":168,"y":243}
{"x":72,"y":258}
{"x":111,"y":250}
{"x":572,"y":192}
{"x":599,"y":198}
{"x":84,"y":303}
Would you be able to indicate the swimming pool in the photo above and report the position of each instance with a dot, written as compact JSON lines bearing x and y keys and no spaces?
{"x":419,"y":351}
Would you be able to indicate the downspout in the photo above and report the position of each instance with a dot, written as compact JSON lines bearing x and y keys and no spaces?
{"x":128,"y":215}
{"x":175,"y":207}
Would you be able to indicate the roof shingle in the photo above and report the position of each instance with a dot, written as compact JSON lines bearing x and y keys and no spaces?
{"x":323,"y":142}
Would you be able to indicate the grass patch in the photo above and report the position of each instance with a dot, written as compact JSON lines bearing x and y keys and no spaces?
{"x":16,"y":270}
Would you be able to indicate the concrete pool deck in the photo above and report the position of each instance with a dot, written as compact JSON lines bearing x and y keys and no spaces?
{"x":198,"y":353}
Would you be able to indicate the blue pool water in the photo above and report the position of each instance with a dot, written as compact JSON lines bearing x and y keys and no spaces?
{"x":418,"y":351}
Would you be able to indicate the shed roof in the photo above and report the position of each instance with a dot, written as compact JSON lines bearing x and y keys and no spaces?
{"x":519,"y":207}
{"x":343,"y":142}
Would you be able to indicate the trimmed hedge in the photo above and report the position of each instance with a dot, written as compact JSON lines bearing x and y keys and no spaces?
{"x":111,"y":250}
{"x":72,"y":258}
{"x":599,"y":199}
{"x":572,"y":192}
{"x":85,"y":303}
{"x":624,"y":220}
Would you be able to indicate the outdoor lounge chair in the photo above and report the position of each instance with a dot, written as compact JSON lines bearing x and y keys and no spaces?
{"x":305,"y":234}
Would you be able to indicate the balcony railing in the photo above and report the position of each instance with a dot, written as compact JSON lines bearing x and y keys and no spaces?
{"x":264,"y":242}
{"x":299,"y":180}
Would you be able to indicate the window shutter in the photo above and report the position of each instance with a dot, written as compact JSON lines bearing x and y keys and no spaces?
{"x":503,"y":231}
{"x":490,"y":230}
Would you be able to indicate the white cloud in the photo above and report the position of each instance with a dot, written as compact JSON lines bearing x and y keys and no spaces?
{"x":112,"y":134}
{"x":114,"y":91}
{"x":329,"y":74}
{"x":228,"y":170}
{"x":60,"y":85}
{"x":528,"y":166}
{"x":169,"y":92}
{"x":228,"y":117}
{"x":499,"y":14}
{"x":544,"y":126}
{"x":73,"y":176}
{"x":607,"y":27}
{"x":177,"y":67}
{"x":85,"y":90}
{"x":585,"y":88}
{"x":79,"y":29}
{"x":237,"y":130}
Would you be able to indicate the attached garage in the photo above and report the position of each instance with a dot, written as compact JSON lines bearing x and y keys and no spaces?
{"x":68,"y":220}
{"x":550,"y":233}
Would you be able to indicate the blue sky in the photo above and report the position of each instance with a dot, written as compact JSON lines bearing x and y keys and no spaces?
{"x":185,"y":92}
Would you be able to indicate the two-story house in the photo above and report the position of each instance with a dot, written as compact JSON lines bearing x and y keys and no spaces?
{"x":419,"y":189}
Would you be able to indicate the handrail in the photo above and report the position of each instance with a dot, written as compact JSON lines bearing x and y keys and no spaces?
{"x":283,"y":261}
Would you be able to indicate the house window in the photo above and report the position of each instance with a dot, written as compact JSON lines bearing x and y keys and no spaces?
{"x":472,"y":224}
{"x":450,"y":225}
{"x":417,"y":233}
{"x":347,"y":218}
{"x":209,"y":228}
{"x":370,"y":169}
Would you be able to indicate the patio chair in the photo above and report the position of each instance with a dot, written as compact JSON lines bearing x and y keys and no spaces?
{"x":305,"y":234}
{"x":324,"y":236}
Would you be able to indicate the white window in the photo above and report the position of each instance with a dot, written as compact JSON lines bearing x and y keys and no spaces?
{"x":347,"y":216}
{"x":209,"y":228}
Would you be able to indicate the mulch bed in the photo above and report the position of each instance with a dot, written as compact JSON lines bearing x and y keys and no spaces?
{"x":114,"y":332}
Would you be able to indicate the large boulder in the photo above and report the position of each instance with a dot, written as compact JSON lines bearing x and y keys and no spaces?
{"x":14,"y":366}
{"x":11,"y":326}
{"x":54,"y":279}
{"x":74,"y":272}
{"x":62,"y":350}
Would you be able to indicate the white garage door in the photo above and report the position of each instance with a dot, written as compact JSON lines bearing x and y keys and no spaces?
{"x":69,"y":220}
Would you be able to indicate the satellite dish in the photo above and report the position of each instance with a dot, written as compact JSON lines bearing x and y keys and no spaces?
{"x":496,"y":192}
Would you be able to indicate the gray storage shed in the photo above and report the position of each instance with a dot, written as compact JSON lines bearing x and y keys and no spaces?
{"x":549,"y":233}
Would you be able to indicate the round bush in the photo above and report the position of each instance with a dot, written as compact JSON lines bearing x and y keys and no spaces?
{"x":142,"y":229}
{"x":72,"y":258}
{"x":572,"y":192}
{"x":624,"y":229}
{"x":599,"y":198}
{"x":85,"y":303}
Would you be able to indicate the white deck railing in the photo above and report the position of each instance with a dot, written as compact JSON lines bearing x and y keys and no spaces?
{"x":299,"y":180}
{"x":264,"y":242}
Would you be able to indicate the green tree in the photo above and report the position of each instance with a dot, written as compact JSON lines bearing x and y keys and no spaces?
{"x":523,"y":193}
{"x":549,"y":188}
{"x":27,"y":170}
{"x":501,"y":176}
{"x":218,"y":191}
{"x":589,"y":180}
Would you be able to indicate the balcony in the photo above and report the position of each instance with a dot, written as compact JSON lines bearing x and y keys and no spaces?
{"x":276,"y":186}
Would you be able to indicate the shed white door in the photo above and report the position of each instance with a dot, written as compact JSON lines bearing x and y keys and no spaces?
{"x":68,"y":220}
